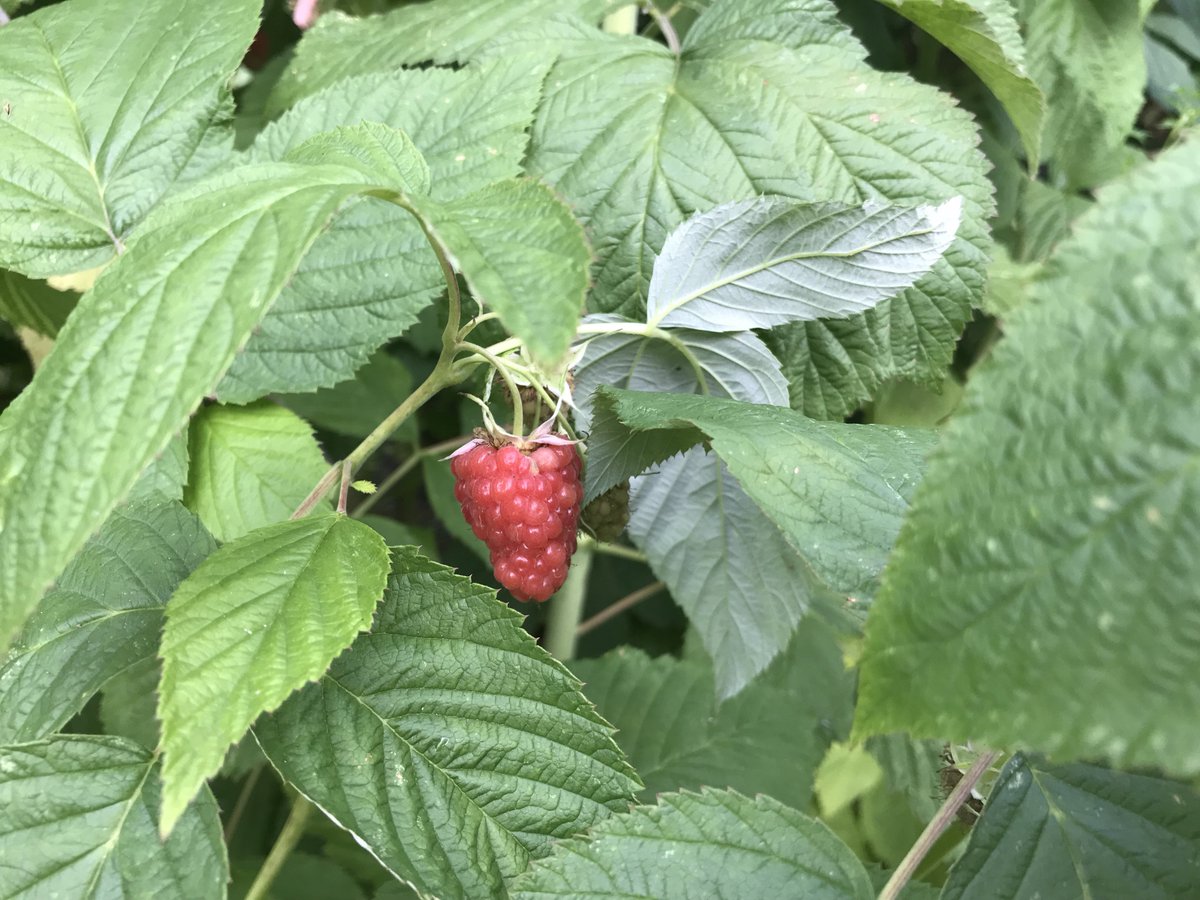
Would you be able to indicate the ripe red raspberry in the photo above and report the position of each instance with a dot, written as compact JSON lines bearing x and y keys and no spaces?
{"x":524,"y":504}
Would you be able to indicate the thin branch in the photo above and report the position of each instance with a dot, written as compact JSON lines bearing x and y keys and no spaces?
{"x":243,"y":800}
{"x":940,"y":822}
{"x":664,"y":25}
{"x":404,"y":468}
{"x":292,"y":831}
{"x":627,"y":602}
{"x":619,"y":550}
{"x":345,"y":489}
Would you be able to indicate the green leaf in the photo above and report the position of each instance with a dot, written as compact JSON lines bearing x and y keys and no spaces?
{"x":301,"y":877}
{"x":1042,"y":569}
{"x":1081,"y":831}
{"x":677,"y":736}
{"x":356,"y":406}
{"x":107,"y":107}
{"x":743,"y":586}
{"x":401,"y":534}
{"x":259,"y":618}
{"x":250,"y":466}
{"x":1088,"y":60}
{"x":769,"y":98}
{"x":81,"y":821}
{"x":985,"y":36}
{"x":769,"y":261}
{"x":470,"y":126}
{"x":912,"y":768}
{"x":447,"y":32}
{"x":34,"y":304}
{"x":153,"y":337}
{"x":103,"y":616}
{"x":447,"y":741}
{"x":128,"y":701}
{"x":838,"y":492}
{"x":439,"y":488}
{"x":524,"y":256}
{"x":785,"y":509}
{"x":1045,"y":215}
{"x":166,"y":476}
{"x":711,"y":844}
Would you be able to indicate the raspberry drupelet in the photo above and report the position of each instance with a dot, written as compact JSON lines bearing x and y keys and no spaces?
{"x":524,"y":505}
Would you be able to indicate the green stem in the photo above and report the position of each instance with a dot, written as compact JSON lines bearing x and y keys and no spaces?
{"x":293,"y":828}
{"x":444,"y":374}
{"x":403,"y":469}
{"x":518,"y":427}
{"x":940,"y":822}
{"x":619,"y":550}
{"x":441,"y":377}
{"x":566,"y":609}
{"x":610,"y":612}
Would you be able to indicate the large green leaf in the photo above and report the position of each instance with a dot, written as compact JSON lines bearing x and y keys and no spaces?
{"x":1045,"y":570}
{"x":259,"y":618}
{"x":984,"y":35}
{"x":770,"y":97}
{"x":677,"y":736}
{"x":470,"y":126}
{"x":1088,"y":60}
{"x":446,"y":32}
{"x":143,"y":347}
{"x":769,"y":261}
{"x":838,"y":492}
{"x":356,"y":406}
{"x":711,"y":844}
{"x":1081,"y":831}
{"x":34,"y":304}
{"x":103,"y":616}
{"x":250,"y":466}
{"x":106,"y":107}
{"x":80,"y":820}
{"x":447,"y":740}
{"x":784,"y":509}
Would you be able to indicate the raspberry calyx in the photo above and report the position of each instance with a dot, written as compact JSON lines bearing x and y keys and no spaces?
{"x":521,"y":498}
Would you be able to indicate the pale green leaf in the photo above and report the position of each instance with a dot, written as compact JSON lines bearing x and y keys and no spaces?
{"x":470,"y":126}
{"x":769,"y":261}
{"x":1087,"y":59}
{"x":250,"y":466}
{"x":677,"y":736}
{"x":1045,"y":570}
{"x":128,"y":701}
{"x":711,"y":844}
{"x":81,"y":820}
{"x":838,"y":492}
{"x":166,"y":476}
{"x":783,"y":510}
{"x":447,"y":32}
{"x":734,"y":365}
{"x":743,"y":586}
{"x":771,"y":97}
{"x":447,"y":741}
{"x":985,"y":36}
{"x":259,"y":618}
{"x":103,"y":616}
{"x":34,"y":304}
{"x":1081,"y":831}
{"x":1044,"y":216}
{"x":524,"y":257}
{"x":357,"y":406}
{"x":154,"y":336}
{"x":107,"y":107}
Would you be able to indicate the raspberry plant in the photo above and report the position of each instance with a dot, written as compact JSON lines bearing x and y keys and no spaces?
{"x":882,"y":315}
